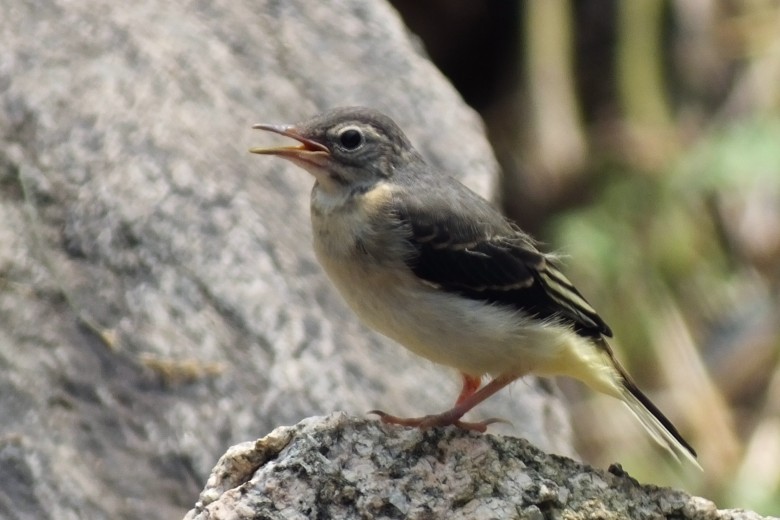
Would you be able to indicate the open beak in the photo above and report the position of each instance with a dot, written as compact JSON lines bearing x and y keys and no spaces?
{"x":307,"y":149}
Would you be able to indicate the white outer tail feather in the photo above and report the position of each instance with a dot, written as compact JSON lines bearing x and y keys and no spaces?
{"x":657,"y":430}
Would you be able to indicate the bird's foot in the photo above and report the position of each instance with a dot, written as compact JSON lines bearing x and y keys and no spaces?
{"x":433,"y":421}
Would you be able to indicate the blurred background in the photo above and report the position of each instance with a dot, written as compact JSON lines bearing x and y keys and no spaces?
{"x":642,"y":141}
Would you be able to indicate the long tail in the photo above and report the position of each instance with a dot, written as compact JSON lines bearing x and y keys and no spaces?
{"x":655,"y":422}
{"x":613,"y":379}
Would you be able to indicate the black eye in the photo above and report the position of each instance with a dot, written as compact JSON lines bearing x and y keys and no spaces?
{"x":351,"y":139}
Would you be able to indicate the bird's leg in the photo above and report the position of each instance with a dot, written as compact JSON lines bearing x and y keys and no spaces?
{"x":467,"y":400}
{"x":470,"y":385}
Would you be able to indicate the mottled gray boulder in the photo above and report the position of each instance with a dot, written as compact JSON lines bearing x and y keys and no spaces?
{"x":159,"y":300}
{"x":347,"y":468}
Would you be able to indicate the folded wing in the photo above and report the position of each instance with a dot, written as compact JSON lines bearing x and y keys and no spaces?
{"x":495,"y":263}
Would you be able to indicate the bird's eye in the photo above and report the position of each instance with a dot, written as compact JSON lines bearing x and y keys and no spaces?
{"x":351,"y":139}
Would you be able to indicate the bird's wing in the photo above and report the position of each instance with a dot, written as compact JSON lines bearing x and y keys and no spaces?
{"x":491,"y":260}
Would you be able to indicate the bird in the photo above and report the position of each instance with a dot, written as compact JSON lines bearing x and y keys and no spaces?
{"x":427,"y":262}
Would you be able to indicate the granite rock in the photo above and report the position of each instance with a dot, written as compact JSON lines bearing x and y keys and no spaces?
{"x":159,"y":299}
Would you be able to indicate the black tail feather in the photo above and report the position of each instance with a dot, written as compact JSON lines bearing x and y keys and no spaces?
{"x":653,"y":409}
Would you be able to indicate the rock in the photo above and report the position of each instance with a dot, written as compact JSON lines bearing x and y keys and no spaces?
{"x":159,"y":299}
{"x":341,"y":467}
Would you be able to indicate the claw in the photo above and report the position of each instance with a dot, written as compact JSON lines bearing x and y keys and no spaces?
{"x":470,"y":396}
{"x":433,"y":421}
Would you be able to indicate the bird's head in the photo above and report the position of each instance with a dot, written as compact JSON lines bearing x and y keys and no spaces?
{"x":344,"y":148}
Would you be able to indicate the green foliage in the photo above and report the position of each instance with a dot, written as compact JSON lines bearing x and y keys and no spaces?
{"x":675,"y":239}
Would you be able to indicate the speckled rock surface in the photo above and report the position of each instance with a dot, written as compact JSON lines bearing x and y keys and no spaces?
{"x":347,"y":468}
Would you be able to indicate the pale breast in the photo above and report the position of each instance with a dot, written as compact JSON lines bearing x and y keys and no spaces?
{"x":364,"y":256}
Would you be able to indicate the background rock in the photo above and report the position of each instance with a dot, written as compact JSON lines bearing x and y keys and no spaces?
{"x":159,"y":300}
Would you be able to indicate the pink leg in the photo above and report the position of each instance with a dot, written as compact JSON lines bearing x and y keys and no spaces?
{"x":470,"y":385}
{"x":452,"y":416}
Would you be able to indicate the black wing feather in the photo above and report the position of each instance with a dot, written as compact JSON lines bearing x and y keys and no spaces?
{"x":497,"y":266}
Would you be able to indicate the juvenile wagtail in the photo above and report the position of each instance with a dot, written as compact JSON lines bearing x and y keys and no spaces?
{"x":429,"y":263}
